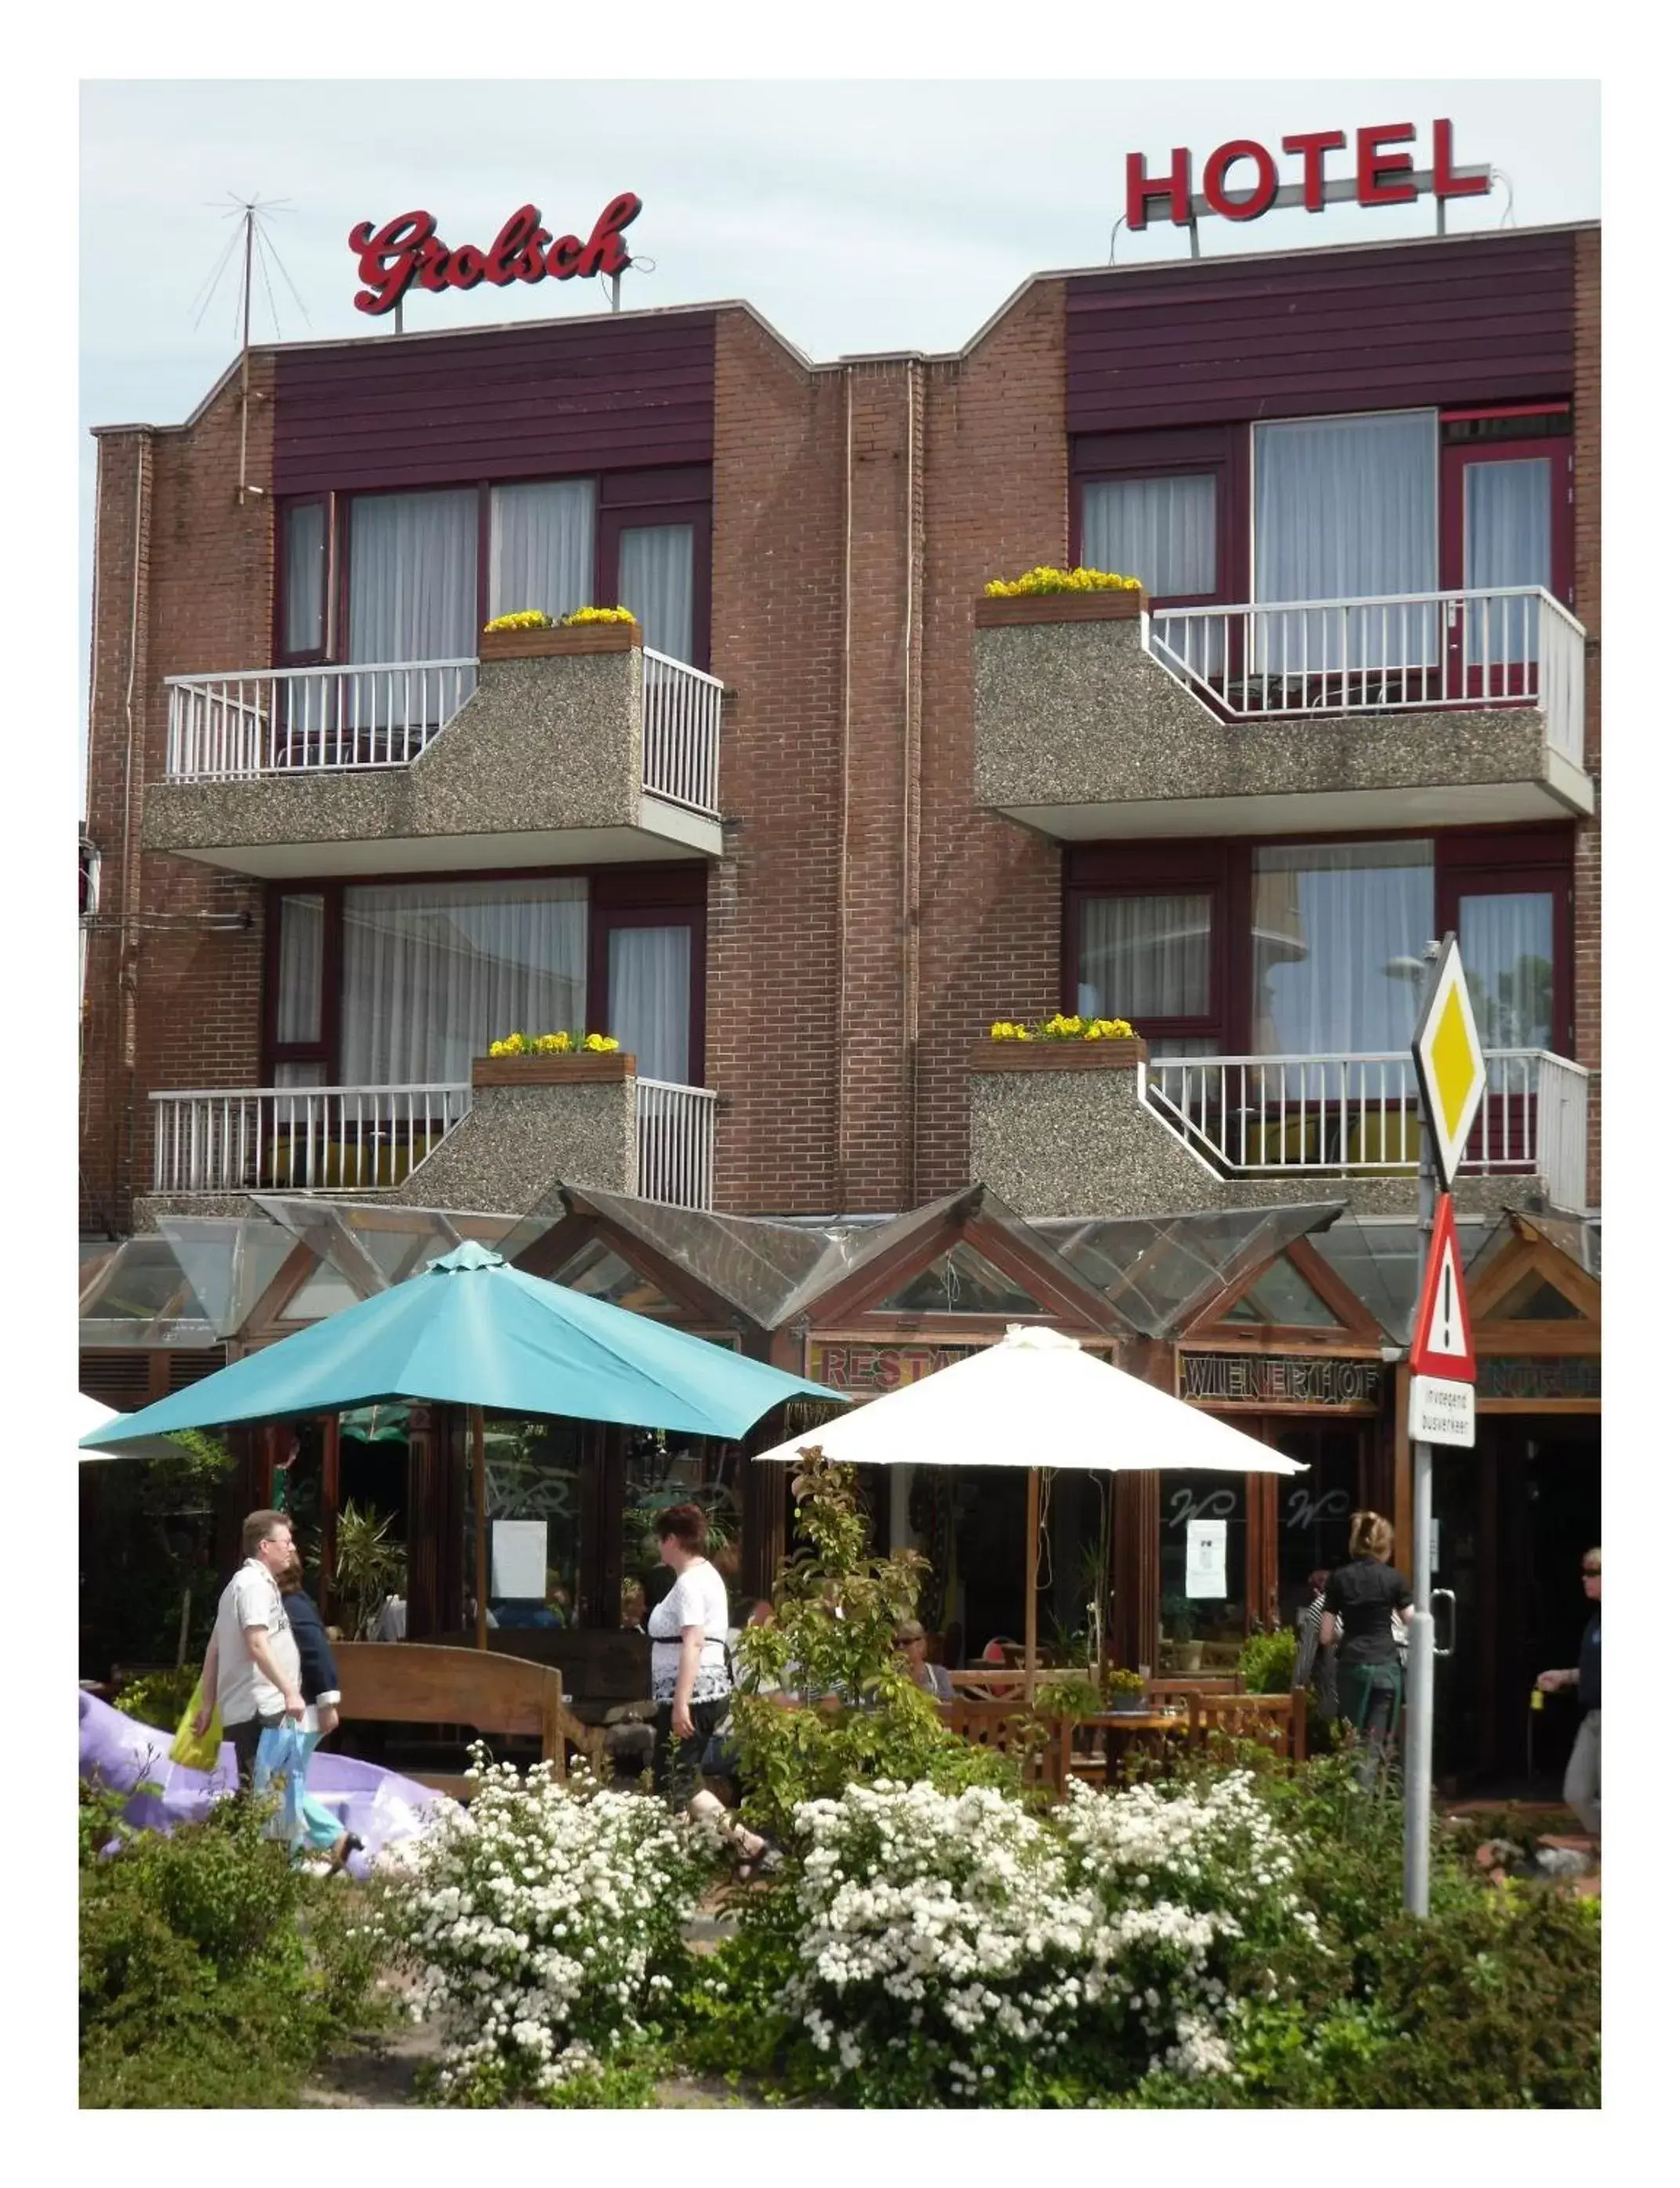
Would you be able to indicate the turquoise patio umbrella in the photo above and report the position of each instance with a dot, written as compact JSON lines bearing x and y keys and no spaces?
{"x":471,"y":1331}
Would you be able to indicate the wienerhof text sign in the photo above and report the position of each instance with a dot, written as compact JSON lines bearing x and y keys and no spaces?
{"x":408,"y":250}
{"x":1383,"y":174}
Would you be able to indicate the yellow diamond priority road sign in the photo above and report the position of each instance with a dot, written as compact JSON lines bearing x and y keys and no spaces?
{"x":1451,"y":1074}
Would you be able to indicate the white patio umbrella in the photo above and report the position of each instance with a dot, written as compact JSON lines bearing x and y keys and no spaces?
{"x":1001,"y":1406}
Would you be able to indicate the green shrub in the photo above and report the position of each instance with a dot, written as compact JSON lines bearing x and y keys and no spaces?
{"x":160,"y":1698}
{"x":211,"y":1972}
{"x":1267,"y":1663}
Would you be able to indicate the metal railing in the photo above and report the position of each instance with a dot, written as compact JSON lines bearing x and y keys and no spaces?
{"x":290,"y":721}
{"x":682,"y":713}
{"x":334,"y":1138}
{"x":1274,"y":1115}
{"x":676,"y":1135}
{"x":1489,"y":646}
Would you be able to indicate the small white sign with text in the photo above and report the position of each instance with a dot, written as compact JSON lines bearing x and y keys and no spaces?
{"x":1442,"y":1411}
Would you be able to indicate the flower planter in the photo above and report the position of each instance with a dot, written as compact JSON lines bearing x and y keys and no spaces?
{"x":560,"y":643}
{"x":1120,"y":1055}
{"x":992,"y":612}
{"x":586,"y":1068}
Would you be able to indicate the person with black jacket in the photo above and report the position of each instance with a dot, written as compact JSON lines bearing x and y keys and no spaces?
{"x":1581,"y":1781}
{"x":1362,"y":1600}
{"x":317,"y":1678}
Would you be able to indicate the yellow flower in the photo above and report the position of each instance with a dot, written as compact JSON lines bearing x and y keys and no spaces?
{"x":600,"y":615}
{"x":1045,"y":580}
{"x":521,"y":619}
{"x":603,"y":1044}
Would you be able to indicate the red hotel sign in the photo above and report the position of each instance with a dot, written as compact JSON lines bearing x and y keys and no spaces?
{"x":1384,"y":173}
{"x":408,"y":250}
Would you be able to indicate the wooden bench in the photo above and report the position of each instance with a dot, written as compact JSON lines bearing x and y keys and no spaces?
{"x":1000,"y":1725}
{"x":1274,"y":1721}
{"x":419,"y":1682}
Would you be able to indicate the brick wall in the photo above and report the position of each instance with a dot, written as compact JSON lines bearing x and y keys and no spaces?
{"x":168,"y":1004}
{"x":1588,"y":897}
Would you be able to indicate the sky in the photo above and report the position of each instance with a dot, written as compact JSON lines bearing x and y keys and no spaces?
{"x":855,"y":216}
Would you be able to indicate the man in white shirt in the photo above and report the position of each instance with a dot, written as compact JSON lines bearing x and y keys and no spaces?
{"x":252,"y":1671}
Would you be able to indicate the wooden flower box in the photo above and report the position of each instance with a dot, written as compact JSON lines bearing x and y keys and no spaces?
{"x":562,"y":642}
{"x":582,"y":1067}
{"x":993,"y":612}
{"x":1119,"y":1055}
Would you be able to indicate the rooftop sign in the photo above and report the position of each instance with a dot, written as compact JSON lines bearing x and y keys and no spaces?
{"x":408,"y":250}
{"x":1383,"y":174}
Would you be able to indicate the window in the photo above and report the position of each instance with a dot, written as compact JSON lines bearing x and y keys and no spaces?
{"x":1220,"y":1614}
{"x":413,"y":577}
{"x":1337,"y":934}
{"x":542,"y":547}
{"x":1147,"y":959}
{"x":1506,"y":941}
{"x":1345,"y":510}
{"x":402,"y":984}
{"x":304,"y":633}
{"x":655,"y":581}
{"x":1160,"y":530}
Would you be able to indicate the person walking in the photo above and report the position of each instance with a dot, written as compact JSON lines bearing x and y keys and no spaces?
{"x":252,"y":1669}
{"x":1363,"y":1599}
{"x":317,"y":1681}
{"x":1582,"y":1784}
{"x":691,"y":1685}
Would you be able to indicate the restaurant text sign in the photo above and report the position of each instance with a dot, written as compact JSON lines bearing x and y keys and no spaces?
{"x":1242,"y":178}
{"x":407,"y":251}
{"x":871,"y":1370}
{"x":1278,"y":1379}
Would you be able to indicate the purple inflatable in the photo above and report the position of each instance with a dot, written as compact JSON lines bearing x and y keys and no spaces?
{"x":381,"y":1808}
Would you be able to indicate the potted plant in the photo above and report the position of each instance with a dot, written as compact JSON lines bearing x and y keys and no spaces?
{"x":1046,"y":595}
{"x":1178,"y":1622}
{"x":1064,"y":1041}
{"x":552,"y":1059}
{"x":1127,"y":1692}
{"x":529,"y":635}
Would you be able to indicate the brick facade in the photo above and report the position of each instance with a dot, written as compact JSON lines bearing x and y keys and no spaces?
{"x":866,"y":922}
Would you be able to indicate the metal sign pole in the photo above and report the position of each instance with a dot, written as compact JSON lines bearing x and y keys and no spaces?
{"x":1420,"y":1666}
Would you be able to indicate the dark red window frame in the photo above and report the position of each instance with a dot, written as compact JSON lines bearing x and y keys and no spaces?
{"x":658,"y":896}
{"x":1098,"y":459}
{"x":1477,"y":861}
{"x":307,"y":657}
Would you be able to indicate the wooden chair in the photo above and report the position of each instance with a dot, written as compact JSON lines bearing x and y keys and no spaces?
{"x":419,"y":1682}
{"x":1000,"y":1725}
{"x":1180,"y":1689}
{"x":1275,"y":1721}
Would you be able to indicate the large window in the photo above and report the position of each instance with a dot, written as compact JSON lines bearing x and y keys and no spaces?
{"x":1149,"y":959}
{"x":1337,"y":932}
{"x":1160,"y":530}
{"x":413,"y":577}
{"x":542,"y":547}
{"x":404,"y":983}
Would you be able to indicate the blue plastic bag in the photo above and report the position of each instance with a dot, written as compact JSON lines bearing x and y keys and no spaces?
{"x":282,"y":1767}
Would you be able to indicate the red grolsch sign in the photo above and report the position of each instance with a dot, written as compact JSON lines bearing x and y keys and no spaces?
{"x":1383,"y":174}
{"x":407,"y":252}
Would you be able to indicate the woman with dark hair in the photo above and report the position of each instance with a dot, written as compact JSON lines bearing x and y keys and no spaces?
{"x":691,"y":1686}
{"x":1362,"y":1600}
{"x":1315,"y":1664}
{"x":318,"y":1679}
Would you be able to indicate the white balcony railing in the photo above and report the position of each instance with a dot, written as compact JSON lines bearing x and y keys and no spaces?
{"x":676,"y":1133}
{"x":262,"y":722}
{"x":1320,"y":1115}
{"x":1493,"y":646}
{"x":682,"y":713}
{"x":333,"y":1138}
{"x":293,"y":721}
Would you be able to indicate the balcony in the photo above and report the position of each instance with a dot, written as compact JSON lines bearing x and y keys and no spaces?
{"x":447,"y":1146}
{"x":1416,"y":710}
{"x":1314,"y":1118}
{"x":437,"y":765}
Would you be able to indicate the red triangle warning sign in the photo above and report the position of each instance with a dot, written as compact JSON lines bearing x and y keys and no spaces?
{"x":1440,"y":1342}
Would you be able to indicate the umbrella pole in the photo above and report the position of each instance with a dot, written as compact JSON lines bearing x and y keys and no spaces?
{"x":1032,"y":1619}
{"x":481,"y":1557}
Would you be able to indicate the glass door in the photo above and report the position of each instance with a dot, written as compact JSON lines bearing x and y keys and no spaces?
{"x":1505,"y":525}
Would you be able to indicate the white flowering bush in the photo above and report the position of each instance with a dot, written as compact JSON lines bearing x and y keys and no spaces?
{"x":545,"y":1928}
{"x":959,"y":1949}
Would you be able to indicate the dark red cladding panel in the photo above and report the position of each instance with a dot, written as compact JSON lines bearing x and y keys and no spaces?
{"x":521,"y":403}
{"x":1483,"y":317}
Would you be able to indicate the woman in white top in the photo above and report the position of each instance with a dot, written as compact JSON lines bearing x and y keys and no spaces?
{"x":691,"y":1671}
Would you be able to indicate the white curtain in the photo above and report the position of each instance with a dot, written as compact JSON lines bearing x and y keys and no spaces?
{"x":413,"y":576}
{"x":1339,"y":932}
{"x":1507,"y":541}
{"x":298,"y":1014}
{"x":1144,"y":957}
{"x":1160,"y":530}
{"x":306,"y":556}
{"x":647,"y":998}
{"x":434,"y":971}
{"x":543,"y":546}
{"x":656,"y":582}
{"x":1506,"y":942}
{"x":1344,"y":509}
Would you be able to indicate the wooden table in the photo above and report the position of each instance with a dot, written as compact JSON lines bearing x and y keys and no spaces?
{"x":1116,"y":1726}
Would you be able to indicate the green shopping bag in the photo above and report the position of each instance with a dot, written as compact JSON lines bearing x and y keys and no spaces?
{"x":198,"y":1751}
